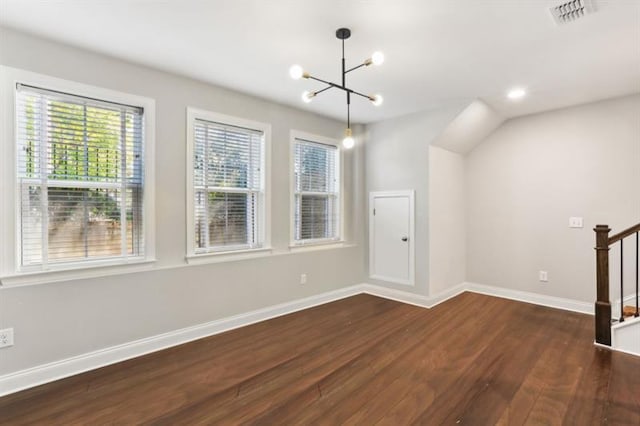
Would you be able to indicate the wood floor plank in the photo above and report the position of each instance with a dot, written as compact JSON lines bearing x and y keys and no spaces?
{"x":224,"y":374}
{"x":429,"y":363}
{"x":291,"y":411}
{"x":345,"y":381}
{"x":263,"y":391}
{"x":550,"y":373}
{"x":206,"y":361}
{"x":588,"y":402}
{"x":474,"y":359}
{"x":501,"y":367}
{"x":623,"y":399}
{"x":560,"y":377}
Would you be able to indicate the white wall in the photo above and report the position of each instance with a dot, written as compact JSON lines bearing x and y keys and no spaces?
{"x":397,"y":158}
{"x":447,"y":220}
{"x":525,"y":181}
{"x":53,"y":321}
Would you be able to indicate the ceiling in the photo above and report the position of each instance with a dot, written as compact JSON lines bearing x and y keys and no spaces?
{"x":438,"y":52}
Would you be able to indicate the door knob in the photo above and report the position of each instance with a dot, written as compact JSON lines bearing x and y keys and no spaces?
{"x":405,"y":239}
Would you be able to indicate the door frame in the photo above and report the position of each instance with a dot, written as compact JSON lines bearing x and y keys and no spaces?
{"x":410,"y":193}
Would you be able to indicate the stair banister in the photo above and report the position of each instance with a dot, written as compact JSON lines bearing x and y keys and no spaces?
{"x":603,"y":304}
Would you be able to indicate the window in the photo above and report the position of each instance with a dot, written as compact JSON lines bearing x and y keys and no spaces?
{"x":227,"y":183}
{"x":316,"y":190}
{"x":80,"y":179}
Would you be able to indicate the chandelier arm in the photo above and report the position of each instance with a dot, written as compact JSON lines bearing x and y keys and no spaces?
{"x":359,"y":94}
{"x":326,"y":82}
{"x":337,"y":86}
{"x":364,"y":64}
{"x":322,"y":90}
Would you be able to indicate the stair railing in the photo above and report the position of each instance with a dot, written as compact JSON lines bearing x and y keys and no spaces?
{"x":603,"y":305}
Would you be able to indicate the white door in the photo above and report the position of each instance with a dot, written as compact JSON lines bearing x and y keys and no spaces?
{"x":391,"y":249}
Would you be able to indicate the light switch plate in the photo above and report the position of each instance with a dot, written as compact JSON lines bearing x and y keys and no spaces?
{"x":575,"y":222}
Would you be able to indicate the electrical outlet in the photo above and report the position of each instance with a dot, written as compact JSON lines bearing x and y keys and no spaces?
{"x":543,"y":276}
{"x":575,"y":222}
{"x":303,"y":278}
{"x":6,"y":337}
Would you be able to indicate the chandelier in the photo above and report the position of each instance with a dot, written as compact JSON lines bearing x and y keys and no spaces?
{"x":377,"y":58}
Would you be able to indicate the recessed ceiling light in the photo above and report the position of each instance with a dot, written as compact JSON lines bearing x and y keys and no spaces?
{"x":516,"y":93}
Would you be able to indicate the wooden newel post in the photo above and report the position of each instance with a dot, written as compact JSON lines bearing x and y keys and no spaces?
{"x":603,"y":305}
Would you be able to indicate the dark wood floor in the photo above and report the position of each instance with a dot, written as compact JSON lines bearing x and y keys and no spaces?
{"x":363,"y":360}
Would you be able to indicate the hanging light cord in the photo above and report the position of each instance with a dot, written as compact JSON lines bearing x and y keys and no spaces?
{"x":344,"y":84}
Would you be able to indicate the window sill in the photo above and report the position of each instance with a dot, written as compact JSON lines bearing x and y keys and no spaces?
{"x":325,"y":245}
{"x":228,"y":256}
{"x":74,"y":273}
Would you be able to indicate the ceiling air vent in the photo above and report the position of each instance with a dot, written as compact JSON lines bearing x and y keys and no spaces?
{"x":571,"y":11}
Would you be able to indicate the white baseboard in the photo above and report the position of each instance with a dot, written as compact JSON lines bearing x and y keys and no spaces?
{"x":506,"y":293}
{"x":450,"y":293}
{"x":601,"y":346}
{"x":397,"y":295}
{"x":412,"y":298}
{"x":535,"y":298}
{"x":41,"y":374}
{"x":625,"y":336}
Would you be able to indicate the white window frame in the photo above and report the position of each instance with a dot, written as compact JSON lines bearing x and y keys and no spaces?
{"x":264,"y":219}
{"x":324,"y":242}
{"x":11,"y":273}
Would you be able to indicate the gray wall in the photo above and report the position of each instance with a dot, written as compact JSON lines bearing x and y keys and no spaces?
{"x":499,"y":214}
{"x":397,"y":158}
{"x":447,"y":223}
{"x":525,"y":181}
{"x":53,"y":321}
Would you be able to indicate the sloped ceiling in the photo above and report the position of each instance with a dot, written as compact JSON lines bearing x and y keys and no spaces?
{"x":477,"y":121}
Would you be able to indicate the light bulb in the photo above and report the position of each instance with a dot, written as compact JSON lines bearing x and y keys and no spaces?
{"x":296,"y":72}
{"x":307,"y":96}
{"x":377,"y":100}
{"x":348,"y":142}
{"x":377,"y":58}
{"x":516,"y":93}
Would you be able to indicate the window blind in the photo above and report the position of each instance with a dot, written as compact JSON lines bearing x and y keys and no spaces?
{"x":80,"y":178}
{"x":316,"y":192}
{"x":228,"y":186}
